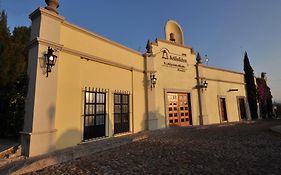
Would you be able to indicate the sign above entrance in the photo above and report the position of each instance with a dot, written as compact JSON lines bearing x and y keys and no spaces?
{"x":174,"y":60}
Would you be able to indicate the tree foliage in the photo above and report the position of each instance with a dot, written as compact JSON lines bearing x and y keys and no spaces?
{"x":13,"y":77}
{"x":264,"y":97}
{"x":250,"y":87}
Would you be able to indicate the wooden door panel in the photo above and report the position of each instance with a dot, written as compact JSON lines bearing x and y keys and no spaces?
{"x":223,"y":109}
{"x":179,"y":109}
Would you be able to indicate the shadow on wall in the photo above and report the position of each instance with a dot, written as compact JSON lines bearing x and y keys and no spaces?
{"x":69,"y":138}
{"x":156,"y":120}
{"x":144,"y":123}
{"x":145,"y":83}
{"x":151,"y":119}
{"x":23,"y":166}
{"x":45,"y":140}
{"x":42,"y":63}
{"x":51,"y":126}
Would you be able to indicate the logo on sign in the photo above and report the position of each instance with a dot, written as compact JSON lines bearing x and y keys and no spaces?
{"x":174,"y":60}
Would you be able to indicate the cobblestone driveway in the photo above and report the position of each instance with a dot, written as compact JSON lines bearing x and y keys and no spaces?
{"x":244,"y":148}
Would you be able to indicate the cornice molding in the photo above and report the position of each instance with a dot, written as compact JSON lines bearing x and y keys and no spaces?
{"x":45,"y":42}
{"x":83,"y":55}
{"x":219,"y":80}
{"x":42,"y":11}
{"x":220,"y":69}
{"x":38,"y":133}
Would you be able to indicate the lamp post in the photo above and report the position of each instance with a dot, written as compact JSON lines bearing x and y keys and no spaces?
{"x":50,"y":60}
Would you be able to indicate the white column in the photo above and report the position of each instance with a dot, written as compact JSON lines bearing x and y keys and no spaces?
{"x":38,"y":135}
{"x":151,"y":96}
{"x":203,"y":117}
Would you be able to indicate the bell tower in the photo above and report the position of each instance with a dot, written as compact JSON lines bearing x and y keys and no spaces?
{"x":174,"y":32}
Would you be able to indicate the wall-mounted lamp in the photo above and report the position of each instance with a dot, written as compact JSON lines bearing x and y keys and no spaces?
{"x":153,"y":80}
{"x":206,"y":59}
{"x":203,"y":85}
{"x":50,"y":59}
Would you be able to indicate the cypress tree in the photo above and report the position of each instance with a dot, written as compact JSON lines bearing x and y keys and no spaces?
{"x":4,"y":42}
{"x":4,"y":48}
{"x":251,"y":88}
{"x":269,"y":103}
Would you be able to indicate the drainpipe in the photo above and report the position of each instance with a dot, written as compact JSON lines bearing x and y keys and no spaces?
{"x":133,"y":123}
{"x":201,"y":98}
{"x":199,"y":94}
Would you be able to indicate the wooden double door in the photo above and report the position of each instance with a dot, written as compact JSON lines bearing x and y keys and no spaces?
{"x":179,"y":109}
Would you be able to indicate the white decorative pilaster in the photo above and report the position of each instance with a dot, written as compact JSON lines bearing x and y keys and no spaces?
{"x":39,"y":133}
{"x":151,"y":96}
{"x":52,"y":5}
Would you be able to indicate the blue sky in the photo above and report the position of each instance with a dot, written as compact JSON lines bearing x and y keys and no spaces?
{"x":222,"y":29}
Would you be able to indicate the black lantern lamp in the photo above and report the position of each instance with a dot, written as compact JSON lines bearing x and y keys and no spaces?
{"x":206,"y":59}
{"x":153,"y":80}
{"x":50,"y":59}
{"x":203,"y":85}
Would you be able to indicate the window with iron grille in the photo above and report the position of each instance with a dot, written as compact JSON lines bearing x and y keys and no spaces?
{"x":94,"y":114}
{"x":121,"y":113}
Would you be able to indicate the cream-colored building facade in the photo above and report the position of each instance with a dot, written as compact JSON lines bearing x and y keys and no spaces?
{"x":99,"y":88}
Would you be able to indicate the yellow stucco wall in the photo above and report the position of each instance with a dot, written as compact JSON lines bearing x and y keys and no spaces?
{"x":75,"y":73}
{"x":83,"y":41}
{"x":139,"y":101}
{"x":85,"y":59}
{"x":219,"y":83}
{"x":170,"y":79}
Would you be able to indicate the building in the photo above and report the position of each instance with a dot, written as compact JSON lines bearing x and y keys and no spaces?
{"x":99,"y":88}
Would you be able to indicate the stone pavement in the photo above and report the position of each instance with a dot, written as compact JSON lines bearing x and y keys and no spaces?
{"x":276,"y":129}
{"x":32,"y":164}
{"x":237,"y":148}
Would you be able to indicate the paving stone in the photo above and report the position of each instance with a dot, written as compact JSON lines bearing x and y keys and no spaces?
{"x":240,"y":148}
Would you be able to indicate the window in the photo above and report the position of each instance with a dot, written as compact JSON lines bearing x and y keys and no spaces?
{"x":94,"y":108}
{"x":94,"y":114}
{"x":121,"y":113}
